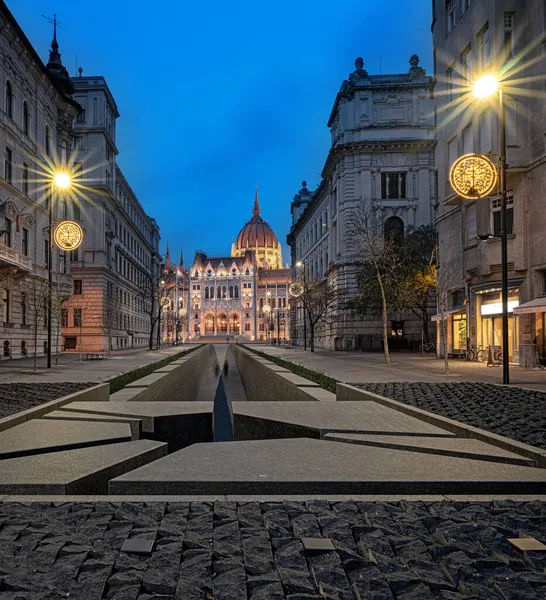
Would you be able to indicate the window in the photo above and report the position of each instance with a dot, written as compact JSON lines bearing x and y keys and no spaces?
{"x":23,"y":348}
{"x":450,"y":14}
{"x":46,"y":252}
{"x":509,"y":28}
{"x":76,"y":211}
{"x":397,"y":328}
{"x":485,"y":132}
{"x":452,"y":151}
{"x":496,"y":216}
{"x":77,"y":169}
{"x":231,"y":291}
{"x":468,"y":143}
{"x":247,"y":326}
{"x":465,"y":5}
{"x":24,"y":242}
{"x":78,"y":142}
{"x":236,"y":291}
{"x":78,"y":317}
{"x":9,"y":100}
{"x":75,"y":255}
{"x":484,"y":47}
{"x":77,"y":286}
{"x":471,"y":224}
{"x":466,"y":62}
{"x":26,"y":119}
{"x":212,"y":291}
{"x":6,"y":349}
{"x":5,"y":305}
{"x":46,"y":140}
{"x":512,"y":123}
{"x":81,"y":116}
{"x":25,"y":179}
{"x":7,"y":233}
{"x":23,"y":308}
{"x":393,"y":185}
{"x":450,"y":83}
{"x":393,"y":230}
{"x":206,"y":292}
{"x":8,"y":163}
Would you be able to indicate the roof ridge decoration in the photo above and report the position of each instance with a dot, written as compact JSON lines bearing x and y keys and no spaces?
{"x":256,"y":209}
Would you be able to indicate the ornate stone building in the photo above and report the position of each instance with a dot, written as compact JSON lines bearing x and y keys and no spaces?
{"x":116,"y":269}
{"x":245,"y":294}
{"x":36,"y":113}
{"x":382,"y":157}
{"x":173,"y":300}
{"x":471,"y":39}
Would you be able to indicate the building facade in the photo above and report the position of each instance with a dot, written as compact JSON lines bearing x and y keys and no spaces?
{"x":116,"y":270}
{"x":244,"y":295}
{"x":382,"y":157}
{"x":471,"y":39}
{"x":37,"y":109}
{"x":173,"y":301}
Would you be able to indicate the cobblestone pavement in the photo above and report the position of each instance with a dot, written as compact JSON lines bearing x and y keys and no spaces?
{"x":15,"y":397}
{"x":253,"y":551}
{"x":516,"y":413}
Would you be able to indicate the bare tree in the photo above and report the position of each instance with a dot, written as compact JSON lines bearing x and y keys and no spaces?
{"x":36,"y":295}
{"x":380,"y":263}
{"x":317,"y":297}
{"x":110,"y":318}
{"x":444,"y":284}
{"x":153,"y":290}
{"x":60,"y":294}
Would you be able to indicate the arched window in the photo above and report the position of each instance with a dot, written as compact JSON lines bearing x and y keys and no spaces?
{"x":212,"y":291}
{"x":207,"y":293}
{"x":9,"y":100}
{"x":219,"y":292}
{"x":247,"y":272}
{"x":233,"y":272}
{"x":393,"y":230}
{"x":236,"y":291}
{"x":46,"y":146}
{"x":284,"y":302}
{"x":261,"y":304}
{"x":231,"y":291}
{"x":196,"y":274}
{"x":224,"y":291}
{"x":26,"y":119}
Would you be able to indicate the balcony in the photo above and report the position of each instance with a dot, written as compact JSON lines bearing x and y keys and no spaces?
{"x":11,"y":258}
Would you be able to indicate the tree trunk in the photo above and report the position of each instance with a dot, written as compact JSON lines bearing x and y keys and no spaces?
{"x":109,"y":344}
{"x":57,"y":344}
{"x":424,"y":324}
{"x":385,"y":321}
{"x":443,"y":336}
{"x":35,"y":342}
{"x":311,"y":336}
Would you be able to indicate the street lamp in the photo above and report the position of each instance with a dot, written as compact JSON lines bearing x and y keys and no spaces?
{"x":61,"y":180}
{"x":296,"y":290}
{"x":485,"y":87}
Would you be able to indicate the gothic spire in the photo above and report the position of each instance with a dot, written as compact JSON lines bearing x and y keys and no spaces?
{"x":54,"y":56}
{"x":55,"y":65}
{"x":181,"y":265}
{"x":167,"y":257}
{"x":256,"y":209}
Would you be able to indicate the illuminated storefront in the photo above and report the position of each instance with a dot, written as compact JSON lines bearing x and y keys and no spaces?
{"x":489,"y":320}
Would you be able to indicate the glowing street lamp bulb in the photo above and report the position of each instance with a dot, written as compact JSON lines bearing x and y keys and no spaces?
{"x":299,"y":263}
{"x":62,"y":180}
{"x":485,"y":86}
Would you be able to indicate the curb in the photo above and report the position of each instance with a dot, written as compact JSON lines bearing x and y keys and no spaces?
{"x":346,"y":392}
{"x":97,"y":393}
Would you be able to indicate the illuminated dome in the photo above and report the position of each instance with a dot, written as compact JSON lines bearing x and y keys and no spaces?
{"x":258,"y":237}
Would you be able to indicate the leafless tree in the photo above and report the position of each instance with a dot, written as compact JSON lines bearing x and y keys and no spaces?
{"x":36,"y":296}
{"x":153,"y":291}
{"x":60,"y":294}
{"x":444,"y":285}
{"x":110,"y":318}
{"x":380,"y":258}
{"x":318,"y":297}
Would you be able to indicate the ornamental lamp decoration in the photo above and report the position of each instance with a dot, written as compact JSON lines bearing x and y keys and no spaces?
{"x":473,"y":176}
{"x":68,"y":235}
{"x":296,"y":289}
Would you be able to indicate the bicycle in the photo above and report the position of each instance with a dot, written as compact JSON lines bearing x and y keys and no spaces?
{"x":476,"y":354}
{"x":427,"y":348}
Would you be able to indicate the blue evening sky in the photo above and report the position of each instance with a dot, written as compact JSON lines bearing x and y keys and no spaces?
{"x":216,"y":96}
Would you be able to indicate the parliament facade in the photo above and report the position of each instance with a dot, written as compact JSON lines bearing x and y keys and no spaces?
{"x":243,"y":295}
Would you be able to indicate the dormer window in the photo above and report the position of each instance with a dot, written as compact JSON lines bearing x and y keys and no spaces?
{"x":209,"y":272}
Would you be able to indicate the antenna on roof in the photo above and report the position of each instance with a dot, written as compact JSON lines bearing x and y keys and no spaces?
{"x":53,"y":21}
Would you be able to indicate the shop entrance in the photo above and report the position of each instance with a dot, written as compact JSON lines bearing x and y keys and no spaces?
{"x":492,"y":334}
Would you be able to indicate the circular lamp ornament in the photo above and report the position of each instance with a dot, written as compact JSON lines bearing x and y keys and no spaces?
{"x":267,"y":309}
{"x":473,"y":176}
{"x":68,"y":235}
{"x":296,"y":290}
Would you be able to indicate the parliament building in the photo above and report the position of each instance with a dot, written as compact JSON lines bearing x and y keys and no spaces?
{"x":243,"y":295}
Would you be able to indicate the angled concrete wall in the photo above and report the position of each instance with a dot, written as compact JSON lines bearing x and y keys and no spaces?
{"x":178,"y":381}
{"x":266,"y":381}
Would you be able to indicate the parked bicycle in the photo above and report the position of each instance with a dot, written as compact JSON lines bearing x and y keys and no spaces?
{"x":476,"y":354}
{"x":427,"y":348}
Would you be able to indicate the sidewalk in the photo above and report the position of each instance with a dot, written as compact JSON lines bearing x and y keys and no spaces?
{"x":71,"y":369}
{"x":370,"y":367}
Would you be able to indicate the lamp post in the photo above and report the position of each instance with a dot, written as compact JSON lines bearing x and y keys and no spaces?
{"x":61,"y":180}
{"x":485,"y":87}
{"x":300,"y":265}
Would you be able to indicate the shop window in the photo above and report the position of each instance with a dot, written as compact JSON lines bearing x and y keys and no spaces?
{"x":397,"y":328}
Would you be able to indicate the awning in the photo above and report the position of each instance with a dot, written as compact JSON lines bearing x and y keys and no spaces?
{"x":538,"y":305}
{"x":447,"y":313}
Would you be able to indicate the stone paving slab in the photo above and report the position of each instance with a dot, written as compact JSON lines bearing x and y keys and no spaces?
{"x":42,"y":436}
{"x":270,"y":419}
{"x":253,"y":551}
{"x":65,"y":415}
{"x":461,"y":447}
{"x":309,"y":466}
{"x":178,"y":423}
{"x":80,"y":471}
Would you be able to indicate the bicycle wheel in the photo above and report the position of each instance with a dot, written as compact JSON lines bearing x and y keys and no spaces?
{"x":481,"y":356}
{"x":470,"y":355}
